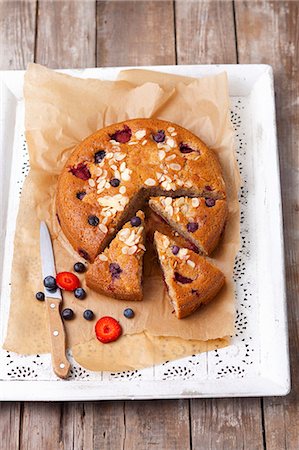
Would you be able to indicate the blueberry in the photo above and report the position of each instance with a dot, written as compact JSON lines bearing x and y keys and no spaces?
{"x":185,"y":148}
{"x":99,"y":156}
{"x":115,"y":182}
{"x":80,"y":195}
{"x":193,"y":247}
{"x":175,"y":249}
{"x":181,"y":279}
{"x":93,"y":221}
{"x":50,"y":283}
{"x":88,"y":314}
{"x":135,"y":221}
{"x":129,"y":313}
{"x":52,"y":291}
{"x":67,"y":314}
{"x":159,"y":136}
{"x":80,"y":293}
{"x":83,"y":253}
{"x":79,"y":267}
{"x":192,"y":226}
{"x":115,"y":270}
{"x":40,"y":296}
{"x":210,"y":202}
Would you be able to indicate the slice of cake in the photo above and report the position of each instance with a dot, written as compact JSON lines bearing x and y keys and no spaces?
{"x":191,"y":280}
{"x":199,"y":220}
{"x":117,"y":272}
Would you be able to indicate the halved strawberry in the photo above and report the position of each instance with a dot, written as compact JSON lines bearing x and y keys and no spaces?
{"x":67,"y":281}
{"x":107,"y":329}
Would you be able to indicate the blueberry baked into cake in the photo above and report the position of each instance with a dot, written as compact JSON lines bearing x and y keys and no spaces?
{"x":114,"y":173}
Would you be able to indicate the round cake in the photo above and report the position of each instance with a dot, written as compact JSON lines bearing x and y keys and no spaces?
{"x":111,"y":173}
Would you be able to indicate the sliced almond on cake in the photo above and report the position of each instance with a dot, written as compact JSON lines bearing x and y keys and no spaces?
{"x":117,"y":272}
{"x":199,"y":220}
{"x":191,"y":280}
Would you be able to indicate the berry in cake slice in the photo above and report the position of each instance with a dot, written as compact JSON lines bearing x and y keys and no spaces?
{"x":154,"y":222}
{"x":200,"y":221}
{"x":117,"y":272}
{"x":191,"y":280}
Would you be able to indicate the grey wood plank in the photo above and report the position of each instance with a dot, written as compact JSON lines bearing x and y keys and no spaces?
{"x":9,"y":425}
{"x":66,"y":33}
{"x":17,"y":30}
{"x":109,"y":426}
{"x":41,"y":426}
{"x":232,"y":424}
{"x":135,"y":33}
{"x":206,"y":34}
{"x":77,"y":426}
{"x":268,"y":33}
{"x":92,"y":425}
{"x":157,"y":425}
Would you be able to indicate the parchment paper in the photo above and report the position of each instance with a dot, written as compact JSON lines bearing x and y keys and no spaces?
{"x":62,"y":110}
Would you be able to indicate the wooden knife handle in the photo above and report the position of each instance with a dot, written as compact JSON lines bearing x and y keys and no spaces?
{"x":61,"y":365}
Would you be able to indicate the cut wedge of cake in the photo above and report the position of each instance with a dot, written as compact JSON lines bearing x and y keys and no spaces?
{"x":199,"y":220}
{"x":117,"y":272}
{"x":191,"y":280}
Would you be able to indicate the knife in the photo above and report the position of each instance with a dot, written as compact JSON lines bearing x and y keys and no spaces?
{"x":53,"y":300}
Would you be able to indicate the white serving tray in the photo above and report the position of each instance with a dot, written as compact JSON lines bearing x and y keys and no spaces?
{"x":257,"y":362}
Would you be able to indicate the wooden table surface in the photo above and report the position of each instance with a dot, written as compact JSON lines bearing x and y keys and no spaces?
{"x":115,"y":33}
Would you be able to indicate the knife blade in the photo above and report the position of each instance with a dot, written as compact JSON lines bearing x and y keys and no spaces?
{"x":53,"y":301}
{"x":47,"y":259}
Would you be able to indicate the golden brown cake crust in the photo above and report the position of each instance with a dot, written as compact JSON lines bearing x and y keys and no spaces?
{"x":143,"y":166}
{"x":199,"y":220}
{"x":191,"y":280}
{"x":117,"y":272}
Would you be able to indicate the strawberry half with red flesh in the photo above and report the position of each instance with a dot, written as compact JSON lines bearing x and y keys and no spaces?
{"x":107,"y":329}
{"x":67,"y":281}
